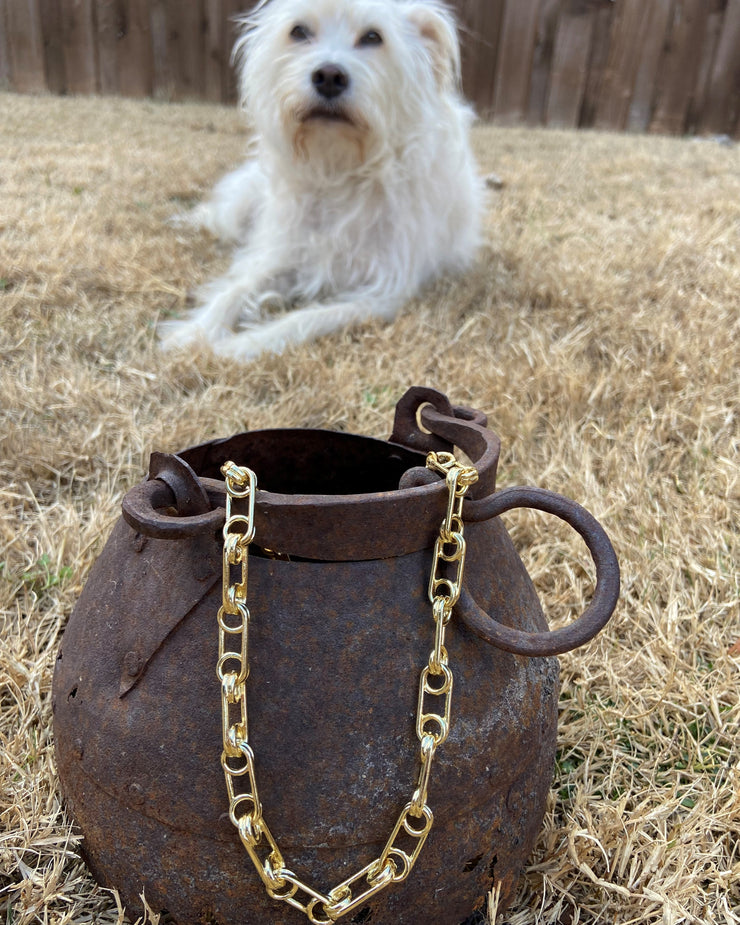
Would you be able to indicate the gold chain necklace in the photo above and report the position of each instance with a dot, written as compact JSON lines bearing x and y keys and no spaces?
{"x":432,"y":728}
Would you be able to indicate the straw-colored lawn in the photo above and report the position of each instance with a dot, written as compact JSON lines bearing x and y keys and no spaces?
{"x":599,"y":332}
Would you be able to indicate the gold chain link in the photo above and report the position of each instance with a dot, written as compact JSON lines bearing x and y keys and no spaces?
{"x":432,"y":727}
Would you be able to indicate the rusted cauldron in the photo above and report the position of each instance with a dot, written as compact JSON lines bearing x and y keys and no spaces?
{"x":340,"y":626}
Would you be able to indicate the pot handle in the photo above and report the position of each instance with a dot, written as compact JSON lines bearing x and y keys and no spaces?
{"x":172,"y":483}
{"x":602,"y":552}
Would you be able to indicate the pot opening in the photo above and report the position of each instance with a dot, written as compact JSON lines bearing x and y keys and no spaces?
{"x":309,"y":462}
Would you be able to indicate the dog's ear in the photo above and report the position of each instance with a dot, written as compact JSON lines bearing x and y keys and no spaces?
{"x":436,"y":26}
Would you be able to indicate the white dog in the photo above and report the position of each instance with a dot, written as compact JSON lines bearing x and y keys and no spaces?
{"x":361,"y":186}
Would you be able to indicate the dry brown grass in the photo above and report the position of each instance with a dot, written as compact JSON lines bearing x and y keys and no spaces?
{"x":599,"y":331}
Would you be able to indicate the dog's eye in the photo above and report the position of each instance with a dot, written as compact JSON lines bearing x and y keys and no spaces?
{"x":300,"y":33}
{"x":371,"y":37}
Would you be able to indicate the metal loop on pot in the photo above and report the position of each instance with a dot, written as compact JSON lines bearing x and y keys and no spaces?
{"x":150,"y":508}
{"x":602,"y":552}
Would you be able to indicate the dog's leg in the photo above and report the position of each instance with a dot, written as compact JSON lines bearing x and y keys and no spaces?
{"x":305,"y":324}
{"x":214,"y":320}
{"x":229,"y":211}
{"x":225,"y":303}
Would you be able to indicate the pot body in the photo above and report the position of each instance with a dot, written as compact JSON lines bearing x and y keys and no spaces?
{"x":335,"y":653}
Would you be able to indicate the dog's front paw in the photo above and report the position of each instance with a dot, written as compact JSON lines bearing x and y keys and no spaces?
{"x":198,"y":217}
{"x":250,"y":343}
{"x":179,"y":334}
{"x":241,"y":347}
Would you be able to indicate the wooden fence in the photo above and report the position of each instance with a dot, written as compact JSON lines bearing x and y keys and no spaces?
{"x":668,"y":66}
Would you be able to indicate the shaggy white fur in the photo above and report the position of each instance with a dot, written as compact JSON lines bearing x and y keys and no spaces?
{"x":361,"y":185}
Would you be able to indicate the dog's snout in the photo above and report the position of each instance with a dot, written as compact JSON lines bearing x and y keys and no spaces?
{"x":330,"y":81}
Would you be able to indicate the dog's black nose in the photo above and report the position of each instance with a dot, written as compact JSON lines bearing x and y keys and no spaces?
{"x":330,"y":81}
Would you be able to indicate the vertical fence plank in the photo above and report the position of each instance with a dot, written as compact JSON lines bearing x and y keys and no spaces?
{"x":25,"y":46}
{"x":679,"y":70}
{"x":5,"y":75}
{"x":214,"y":49}
{"x":233,"y":9}
{"x":597,"y":61}
{"x":709,"y":51}
{"x":722,"y":112}
{"x":570,"y":58}
{"x":78,"y":37}
{"x":480,"y":32}
{"x":178,"y":49}
{"x":544,"y":43}
{"x":185,"y":36}
{"x":134,"y":49}
{"x":627,"y":37}
{"x":220,"y":35}
{"x":643,"y":95}
{"x":490,"y":22}
{"x":51,"y":29}
{"x":514,"y":67}
{"x":163,"y":79}
{"x":466,"y":14}
{"x":107,"y":28}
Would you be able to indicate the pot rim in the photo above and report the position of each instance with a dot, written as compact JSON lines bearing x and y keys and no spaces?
{"x":327,"y":527}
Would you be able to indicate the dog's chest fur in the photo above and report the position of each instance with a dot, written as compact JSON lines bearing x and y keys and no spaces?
{"x":341,"y":233}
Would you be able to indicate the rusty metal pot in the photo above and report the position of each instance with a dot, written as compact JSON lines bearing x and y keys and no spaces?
{"x":340,"y":623}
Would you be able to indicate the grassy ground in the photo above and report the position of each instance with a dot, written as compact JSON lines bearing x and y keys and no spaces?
{"x":600,"y":333}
